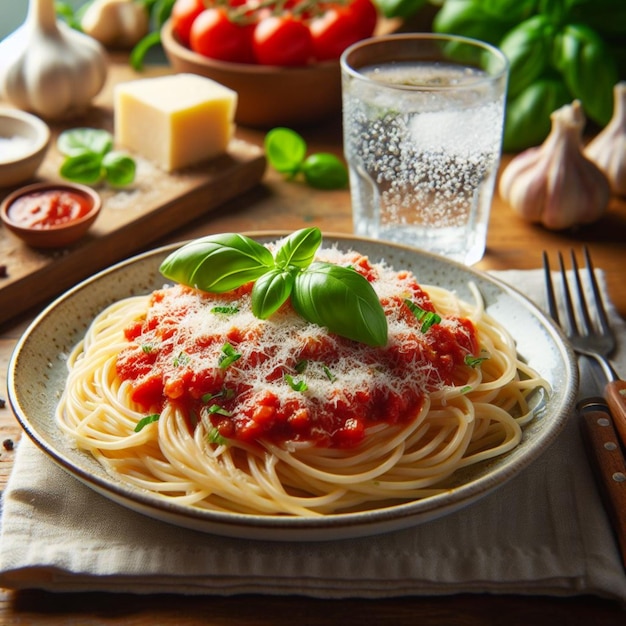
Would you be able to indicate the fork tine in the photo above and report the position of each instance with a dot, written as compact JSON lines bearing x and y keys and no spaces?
{"x":552,"y":307}
{"x":591,"y":341}
{"x":567,"y":297}
{"x":601,"y":311}
{"x":582,"y":300}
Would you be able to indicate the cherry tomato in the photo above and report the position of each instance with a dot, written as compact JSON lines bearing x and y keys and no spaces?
{"x":366,"y":15}
{"x":340,"y":26}
{"x":282,"y":40}
{"x":184,"y":12}
{"x":332,"y":32}
{"x":214,"y":35}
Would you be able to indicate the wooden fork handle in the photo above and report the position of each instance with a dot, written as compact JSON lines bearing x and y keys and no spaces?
{"x":608,"y":463}
{"x":615,"y":394}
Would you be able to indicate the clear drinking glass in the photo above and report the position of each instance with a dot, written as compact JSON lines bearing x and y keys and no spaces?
{"x":423,"y":116}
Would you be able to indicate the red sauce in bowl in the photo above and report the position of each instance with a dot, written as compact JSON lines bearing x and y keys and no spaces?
{"x":49,"y":208}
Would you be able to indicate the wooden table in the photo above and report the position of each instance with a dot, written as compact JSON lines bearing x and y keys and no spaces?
{"x":277,"y":204}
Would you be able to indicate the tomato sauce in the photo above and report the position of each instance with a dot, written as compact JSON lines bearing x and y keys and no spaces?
{"x":351,"y":386}
{"x":48,"y":209}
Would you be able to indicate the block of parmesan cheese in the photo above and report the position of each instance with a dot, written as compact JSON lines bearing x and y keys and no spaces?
{"x":174,"y":121}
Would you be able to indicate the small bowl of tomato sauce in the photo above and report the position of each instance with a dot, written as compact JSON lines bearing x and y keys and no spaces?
{"x":50,"y":215}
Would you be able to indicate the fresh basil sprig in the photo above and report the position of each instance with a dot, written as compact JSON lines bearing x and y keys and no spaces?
{"x":89,"y":158}
{"x":286,"y":152}
{"x":336,"y":297}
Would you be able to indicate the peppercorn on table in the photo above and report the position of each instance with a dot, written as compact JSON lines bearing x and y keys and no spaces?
{"x":278,"y":204}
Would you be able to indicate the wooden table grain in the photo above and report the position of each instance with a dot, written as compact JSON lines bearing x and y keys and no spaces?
{"x":277,"y":204}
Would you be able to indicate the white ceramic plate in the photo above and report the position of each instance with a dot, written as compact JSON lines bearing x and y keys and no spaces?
{"x":37,"y":374}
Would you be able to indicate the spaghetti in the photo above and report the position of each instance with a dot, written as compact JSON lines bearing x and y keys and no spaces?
{"x":189,"y":396}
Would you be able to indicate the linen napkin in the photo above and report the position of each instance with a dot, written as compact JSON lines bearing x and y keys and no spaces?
{"x":544,"y":532}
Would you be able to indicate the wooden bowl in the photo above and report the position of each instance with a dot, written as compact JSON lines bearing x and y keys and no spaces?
{"x":58,"y":235}
{"x":24,"y":140}
{"x":268,"y":96}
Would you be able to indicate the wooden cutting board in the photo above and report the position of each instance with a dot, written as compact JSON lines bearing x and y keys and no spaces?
{"x":156,"y":204}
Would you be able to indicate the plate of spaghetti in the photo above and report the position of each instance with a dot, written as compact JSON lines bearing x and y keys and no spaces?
{"x":285,"y":386}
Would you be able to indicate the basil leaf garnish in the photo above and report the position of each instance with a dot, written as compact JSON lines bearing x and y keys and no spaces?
{"x":270,"y":291}
{"x":341,"y":300}
{"x":285,"y":150}
{"x":85,"y":168}
{"x":326,"y":294}
{"x":298,"y":250}
{"x":90,"y":158}
{"x":427,"y":318}
{"x":218,"y":263}
{"x":144,"y":421}
{"x":119,"y":168}
{"x":474,"y":361}
{"x":80,"y":140}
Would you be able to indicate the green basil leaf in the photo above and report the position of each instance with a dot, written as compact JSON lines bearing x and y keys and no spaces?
{"x":218,"y":263}
{"x":119,"y":169}
{"x":427,"y":318}
{"x":76,"y":141}
{"x":588,"y":69}
{"x":225,"y":310}
{"x":323,"y":170}
{"x":270,"y":291}
{"x":285,"y":150}
{"x":144,"y":421}
{"x":228,"y":357}
{"x":474,"y":361}
{"x":299,"y":248}
{"x":296,"y":385}
{"x":341,"y":300}
{"x":528,"y":114}
{"x":472,"y":18}
{"x":329,"y":374}
{"x":85,"y":168}
{"x":528,"y":48}
{"x":216,"y":409}
{"x":213,"y":436}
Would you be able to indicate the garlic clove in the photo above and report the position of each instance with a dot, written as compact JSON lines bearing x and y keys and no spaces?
{"x":608,"y":149}
{"x":555,"y":184}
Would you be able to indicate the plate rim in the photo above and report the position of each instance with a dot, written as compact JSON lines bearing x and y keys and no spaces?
{"x":288,"y":528}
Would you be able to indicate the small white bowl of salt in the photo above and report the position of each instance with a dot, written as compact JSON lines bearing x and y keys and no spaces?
{"x":24,"y":140}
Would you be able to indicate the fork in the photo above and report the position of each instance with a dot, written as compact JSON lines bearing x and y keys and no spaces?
{"x":590,"y":337}
{"x":598,"y":342}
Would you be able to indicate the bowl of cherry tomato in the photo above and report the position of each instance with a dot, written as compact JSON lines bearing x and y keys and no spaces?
{"x":50,"y":215}
{"x":281,"y":57}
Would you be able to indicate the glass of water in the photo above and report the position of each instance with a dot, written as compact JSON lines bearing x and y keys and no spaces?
{"x":423,"y":116}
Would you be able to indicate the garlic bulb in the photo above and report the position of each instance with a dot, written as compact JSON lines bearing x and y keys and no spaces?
{"x":49,"y":68}
{"x":608,"y":149}
{"x":116,"y":23}
{"x":555,"y":184}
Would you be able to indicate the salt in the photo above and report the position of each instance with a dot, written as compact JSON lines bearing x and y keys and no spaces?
{"x":13,"y":147}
